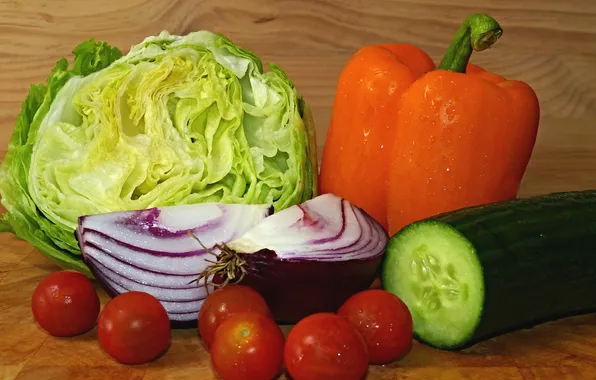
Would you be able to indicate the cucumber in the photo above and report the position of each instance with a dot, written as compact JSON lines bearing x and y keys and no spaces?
{"x":478,"y":272}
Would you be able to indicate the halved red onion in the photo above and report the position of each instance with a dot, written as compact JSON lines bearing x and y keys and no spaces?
{"x":151,"y":250}
{"x":307,"y":258}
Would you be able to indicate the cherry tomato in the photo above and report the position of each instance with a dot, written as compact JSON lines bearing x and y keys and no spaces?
{"x":383,"y":320}
{"x":325,"y":346}
{"x":225,"y":302}
{"x":134,"y":328}
{"x":65,"y":303}
{"x":248,"y":345}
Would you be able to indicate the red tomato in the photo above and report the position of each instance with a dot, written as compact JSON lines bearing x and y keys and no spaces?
{"x":383,"y":320}
{"x":225,"y":302}
{"x":134,"y":328}
{"x":325,"y":346}
{"x":65,"y":303}
{"x":248,"y":345}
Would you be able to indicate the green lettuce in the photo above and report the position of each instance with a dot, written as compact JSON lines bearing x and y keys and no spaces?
{"x":178,"y":120}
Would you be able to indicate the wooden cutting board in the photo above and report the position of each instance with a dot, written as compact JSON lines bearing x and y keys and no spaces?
{"x":565,"y":349}
{"x":551,"y":44}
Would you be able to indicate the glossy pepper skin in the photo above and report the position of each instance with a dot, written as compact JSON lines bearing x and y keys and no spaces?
{"x":461,"y":138}
{"x":360,"y":136}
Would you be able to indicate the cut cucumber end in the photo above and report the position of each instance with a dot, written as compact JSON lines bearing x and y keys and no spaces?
{"x":434,"y":270}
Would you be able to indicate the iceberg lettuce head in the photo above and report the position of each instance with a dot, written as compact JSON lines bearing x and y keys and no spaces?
{"x":178,"y":120}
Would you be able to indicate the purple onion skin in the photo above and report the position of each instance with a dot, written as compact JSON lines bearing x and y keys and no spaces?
{"x":298,"y":288}
{"x":181,"y":325}
{"x":113,"y":293}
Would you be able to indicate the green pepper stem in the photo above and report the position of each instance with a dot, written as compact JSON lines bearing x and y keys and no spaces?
{"x":478,"y":32}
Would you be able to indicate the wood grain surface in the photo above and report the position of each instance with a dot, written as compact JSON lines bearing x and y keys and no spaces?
{"x":551,"y":44}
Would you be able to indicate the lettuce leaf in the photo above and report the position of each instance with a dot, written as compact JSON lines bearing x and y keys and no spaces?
{"x":23,"y":217}
{"x":179,"y":119}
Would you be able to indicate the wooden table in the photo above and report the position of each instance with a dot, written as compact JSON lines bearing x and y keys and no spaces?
{"x":551,"y":44}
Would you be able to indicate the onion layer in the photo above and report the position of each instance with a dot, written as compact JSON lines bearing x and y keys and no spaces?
{"x":152,"y":251}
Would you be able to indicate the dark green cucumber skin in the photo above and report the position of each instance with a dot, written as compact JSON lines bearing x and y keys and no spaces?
{"x":538,"y":257}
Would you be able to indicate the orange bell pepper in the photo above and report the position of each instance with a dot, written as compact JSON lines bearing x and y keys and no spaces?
{"x":359,"y":139}
{"x":461,"y":138}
